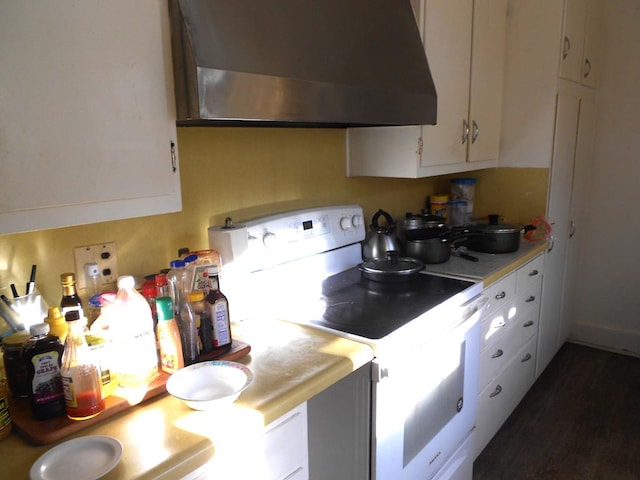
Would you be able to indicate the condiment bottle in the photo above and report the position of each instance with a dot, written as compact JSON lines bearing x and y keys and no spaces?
{"x":179,"y":285}
{"x":16,"y":369}
{"x":57,"y":323}
{"x":203,"y":321}
{"x":132,"y":338}
{"x":189,"y":322}
{"x":42,"y":355}
{"x":80,"y":373}
{"x":162,"y":286}
{"x":70,"y":299}
{"x":5,"y":416}
{"x":171,"y":358}
{"x":101,"y":352}
{"x":219,"y":311}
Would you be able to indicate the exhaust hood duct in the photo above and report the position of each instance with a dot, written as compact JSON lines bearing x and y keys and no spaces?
{"x":324,"y":63}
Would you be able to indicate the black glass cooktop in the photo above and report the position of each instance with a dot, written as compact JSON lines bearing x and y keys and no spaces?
{"x":370,"y":309}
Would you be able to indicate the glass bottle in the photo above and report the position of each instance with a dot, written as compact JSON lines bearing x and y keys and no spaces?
{"x":5,"y":416}
{"x":80,"y":373}
{"x":171,"y":358}
{"x":42,"y":355}
{"x":70,"y":299}
{"x":203,"y":322}
{"x":189,"y":322}
{"x":219,"y":312}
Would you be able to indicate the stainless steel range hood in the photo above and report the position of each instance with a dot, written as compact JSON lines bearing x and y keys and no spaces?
{"x":299,"y":63}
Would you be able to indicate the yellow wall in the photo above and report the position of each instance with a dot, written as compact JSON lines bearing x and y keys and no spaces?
{"x":246,"y":173}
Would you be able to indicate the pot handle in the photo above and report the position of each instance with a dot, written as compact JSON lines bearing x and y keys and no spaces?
{"x":528,"y":228}
{"x":390,"y":223}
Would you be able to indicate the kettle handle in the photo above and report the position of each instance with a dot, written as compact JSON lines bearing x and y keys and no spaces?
{"x":390,"y":223}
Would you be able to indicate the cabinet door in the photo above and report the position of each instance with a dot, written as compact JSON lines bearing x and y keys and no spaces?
{"x":447,"y":42}
{"x":592,"y":62}
{"x":558,"y":209}
{"x":573,"y":34}
{"x":88,"y":126}
{"x":487,"y":73}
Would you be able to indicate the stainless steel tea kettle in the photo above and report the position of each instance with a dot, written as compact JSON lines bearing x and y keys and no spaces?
{"x":380,"y":240}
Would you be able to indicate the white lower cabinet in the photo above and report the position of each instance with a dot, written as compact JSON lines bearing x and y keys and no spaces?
{"x":508,"y":351}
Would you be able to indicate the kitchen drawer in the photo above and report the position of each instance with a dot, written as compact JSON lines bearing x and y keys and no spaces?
{"x":500,"y":293}
{"x":528,"y":297}
{"x":531,"y":272}
{"x":523,"y":329}
{"x":502,"y":395}
{"x":500,"y":309}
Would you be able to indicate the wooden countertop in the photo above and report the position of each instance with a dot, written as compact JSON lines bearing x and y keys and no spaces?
{"x":163,"y":438}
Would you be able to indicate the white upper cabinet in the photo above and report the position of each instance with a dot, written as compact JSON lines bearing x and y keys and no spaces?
{"x":464,"y":43}
{"x":87,"y":117}
{"x":580,"y":59}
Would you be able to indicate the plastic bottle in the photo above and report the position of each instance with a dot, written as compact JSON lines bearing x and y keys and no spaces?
{"x":80,"y":373}
{"x":203,"y":321}
{"x":178,"y":280}
{"x":132,"y":337}
{"x":57,"y":323}
{"x":70,"y":299}
{"x":101,"y":351}
{"x":219,"y":311}
{"x":42,"y":355}
{"x":5,"y":416}
{"x":171,"y":358}
{"x":189,"y":322}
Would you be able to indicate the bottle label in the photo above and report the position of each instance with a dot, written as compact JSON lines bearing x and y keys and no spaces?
{"x":69,"y":392}
{"x":5,"y":418}
{"x":221,"y":332}
{"x":201,"y":279}
{"x":47,"y":381}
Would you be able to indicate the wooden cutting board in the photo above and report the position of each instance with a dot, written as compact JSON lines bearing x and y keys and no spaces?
{"x":42,"y":432}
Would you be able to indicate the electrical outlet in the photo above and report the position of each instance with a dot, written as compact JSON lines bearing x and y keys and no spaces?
{"x":104,"y":254}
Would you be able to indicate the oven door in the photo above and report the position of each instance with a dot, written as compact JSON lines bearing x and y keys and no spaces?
{"x":425,"y":401}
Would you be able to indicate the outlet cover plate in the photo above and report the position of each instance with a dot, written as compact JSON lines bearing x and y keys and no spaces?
{"x":108,"y":267}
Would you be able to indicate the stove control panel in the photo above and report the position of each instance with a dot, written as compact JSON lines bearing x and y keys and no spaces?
{"x":289,"y":236}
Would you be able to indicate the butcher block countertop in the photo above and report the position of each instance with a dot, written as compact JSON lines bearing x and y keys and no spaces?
{"x":163,"y":438}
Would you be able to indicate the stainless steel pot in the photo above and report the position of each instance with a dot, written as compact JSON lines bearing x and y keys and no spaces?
{"x":392,"y":268}
{"x":419,"y":221}
{"x":379,"y":239}
{"x":497,"y":237}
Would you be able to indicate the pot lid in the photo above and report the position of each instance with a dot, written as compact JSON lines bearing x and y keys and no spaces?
{"x":393,"y":264}
{"x":422,"y":220}
{"x":493,"y":226}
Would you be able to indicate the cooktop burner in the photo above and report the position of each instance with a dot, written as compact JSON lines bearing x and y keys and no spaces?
{"x":370,"y":309}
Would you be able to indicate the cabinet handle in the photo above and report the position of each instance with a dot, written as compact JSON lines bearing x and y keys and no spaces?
{"x":526,"y":358}
{"x":498,"y":354}
{"x":496,"y":392}
{"x":530,"y":299}
{"x":587,"y":67}
{"x":566,"y":47}
{"x":572,"y":229}
{"x":476,"y":130}
{"x":500,"y":296}
{"x":465,"y":131}
{"x":530,"y":323}
{"x":174,"y":167}
{"x":533,"y":273}
{"x":551,"y":242}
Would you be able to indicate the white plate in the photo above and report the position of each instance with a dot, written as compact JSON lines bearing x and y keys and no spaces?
{"x":89,"y":458}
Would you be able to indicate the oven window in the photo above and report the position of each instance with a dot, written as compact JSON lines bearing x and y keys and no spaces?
{"x":442,"y":388}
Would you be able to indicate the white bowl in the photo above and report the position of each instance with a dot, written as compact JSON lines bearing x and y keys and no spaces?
{"x":209,"y":384}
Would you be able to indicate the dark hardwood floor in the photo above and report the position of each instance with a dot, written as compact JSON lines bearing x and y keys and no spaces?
{"x":580,"y":420}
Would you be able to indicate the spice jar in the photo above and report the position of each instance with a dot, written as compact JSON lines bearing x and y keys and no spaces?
{"x":13,"y":363}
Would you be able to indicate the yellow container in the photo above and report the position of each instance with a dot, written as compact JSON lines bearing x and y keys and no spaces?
{"x":439,"y":205}
{"x":57,"y":323}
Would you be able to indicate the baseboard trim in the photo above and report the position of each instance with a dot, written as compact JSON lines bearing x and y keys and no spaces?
{"x":598,"y":336}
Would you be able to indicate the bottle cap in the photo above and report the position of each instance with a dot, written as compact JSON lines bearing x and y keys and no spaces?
{"x":15,"y":339}
{"x":176,"y":263}
{"x":54,"y":316}
{"x":212,"y":270}
{"x":161,"y":279}
{"x":463,"y":181}
{"x":164,"y":306}
{"x":38,"y":329}
{"x":68,"y":278}
{"x":149,"y":290}
{"x":196,"y":296}
{"x":126,"y":281}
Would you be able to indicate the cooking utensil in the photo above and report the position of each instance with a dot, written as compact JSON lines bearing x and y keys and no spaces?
{"x":393,"y":268}
{"x":380,"y":240}
{"x":497,"y":237}
{"x":433,"y":248}
{"x":418,"y":221}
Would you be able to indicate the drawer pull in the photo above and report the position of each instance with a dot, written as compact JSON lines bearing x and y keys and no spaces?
{"x":498,"y":354}
{"x":501,"y":295}
{"x":496,"y":392}
{"x":526,"y":358}
{"x":530,"y":323}
{"x":530,"y":299}
{"x":533,"y":273}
